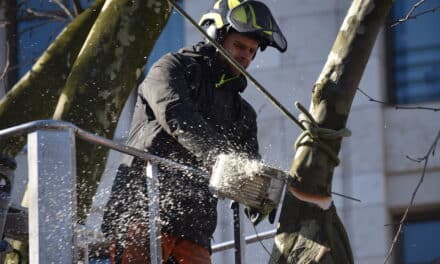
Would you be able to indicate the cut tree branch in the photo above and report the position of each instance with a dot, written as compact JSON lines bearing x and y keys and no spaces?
{"x":397,"y":107}
{"x":405,"y":214}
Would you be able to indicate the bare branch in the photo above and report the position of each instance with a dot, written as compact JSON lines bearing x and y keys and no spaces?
{"x":5,"y":69}
{"x":55,"y":32}
{"x":412,"y":10}
{"x":414,"y":159}
{"x":405,"y":214}
{"x":77,"y":7}
{"x":30,"y":28}
{"x":18,"y":66}
{"x":45,"y":14}
{"x":397,"y":107}
{"x":347,"y":197}
{"x":23,"y":64}
{"x":4,"y":23}
{"x":64,"y":8}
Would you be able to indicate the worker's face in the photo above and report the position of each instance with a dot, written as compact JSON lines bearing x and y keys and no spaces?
{"x":241,"y":48}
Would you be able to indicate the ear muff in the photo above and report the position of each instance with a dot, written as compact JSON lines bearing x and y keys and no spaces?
{"x":216,"y":33}
{"x":211,"y":30}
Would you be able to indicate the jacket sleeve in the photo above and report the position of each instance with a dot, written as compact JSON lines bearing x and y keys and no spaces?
{"x":250,"y":144}
{"x":167,"y":93}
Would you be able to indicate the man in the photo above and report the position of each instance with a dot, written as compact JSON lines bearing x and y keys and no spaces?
{"x":190,"y":110}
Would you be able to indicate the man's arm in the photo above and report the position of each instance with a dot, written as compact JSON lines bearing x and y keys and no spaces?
{"x":250,"y":141}
{"x":167,"y":93}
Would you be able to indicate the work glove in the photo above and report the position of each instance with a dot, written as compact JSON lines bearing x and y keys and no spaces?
{"x":256,"y":216}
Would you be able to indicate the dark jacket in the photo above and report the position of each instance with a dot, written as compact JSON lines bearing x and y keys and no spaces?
{"x":189,"y":109}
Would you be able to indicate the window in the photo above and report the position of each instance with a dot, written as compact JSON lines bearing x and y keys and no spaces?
{"x":415,"y":61}
{"x":420,"y":243}
{"x":171,"y":38}
{"x":40,"y":22}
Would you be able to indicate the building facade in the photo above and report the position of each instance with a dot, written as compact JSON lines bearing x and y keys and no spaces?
{"x":404,"y":69}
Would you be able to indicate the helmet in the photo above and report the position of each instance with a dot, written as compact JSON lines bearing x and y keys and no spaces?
{"x":249,"y":17}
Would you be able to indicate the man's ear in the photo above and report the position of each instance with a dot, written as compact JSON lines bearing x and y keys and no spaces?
{"x":255,"y":54}
{"x":212,"y":31}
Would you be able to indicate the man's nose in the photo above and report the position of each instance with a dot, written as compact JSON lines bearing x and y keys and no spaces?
{"x":246,"y":55}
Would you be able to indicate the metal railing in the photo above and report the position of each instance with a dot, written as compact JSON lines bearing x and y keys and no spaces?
{"x":248,"y":240}
{"x":52,"y":190}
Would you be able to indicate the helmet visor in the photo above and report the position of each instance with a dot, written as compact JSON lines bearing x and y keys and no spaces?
{"x":255,"y":17}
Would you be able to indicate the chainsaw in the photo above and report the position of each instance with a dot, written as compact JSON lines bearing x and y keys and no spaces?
{"x":249,"y":182}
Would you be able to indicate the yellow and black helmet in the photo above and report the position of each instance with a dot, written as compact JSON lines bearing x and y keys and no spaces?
{"x":249,"y":17}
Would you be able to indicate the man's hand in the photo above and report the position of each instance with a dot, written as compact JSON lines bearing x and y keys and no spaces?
{"x":256,"y":216}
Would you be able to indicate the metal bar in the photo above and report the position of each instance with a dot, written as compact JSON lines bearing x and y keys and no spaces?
{"x":154,"y":214}
{"x":242,"y":70}
{"x":249,"y":240}
{"x":94,"y":139}
{"x":138,"y":153}
{"x":86,"y":254}
{"x":58,"y":126}
{"x":241,"y":218}
{"x":32,"y":126}
{"x":238,"y":244}
{"x":6,"y":185}
{"x":52,"y":196}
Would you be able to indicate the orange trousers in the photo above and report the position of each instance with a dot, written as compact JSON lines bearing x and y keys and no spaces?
{"x":137,"y":248}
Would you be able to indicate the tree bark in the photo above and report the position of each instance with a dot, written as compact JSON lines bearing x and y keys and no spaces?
{"x":307,"y":233}
{"x":36,"y":94}
{"x":106,"y":70}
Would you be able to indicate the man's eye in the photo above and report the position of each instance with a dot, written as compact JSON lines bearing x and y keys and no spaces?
{"x":239,"y":45}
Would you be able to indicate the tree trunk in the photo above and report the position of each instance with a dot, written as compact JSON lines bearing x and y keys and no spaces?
{"x":102,"y":77}
{"x":307,"y":233}
{"x":36,"y":94}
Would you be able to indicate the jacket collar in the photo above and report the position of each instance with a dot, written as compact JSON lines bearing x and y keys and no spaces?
{"x":220,"y":71}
